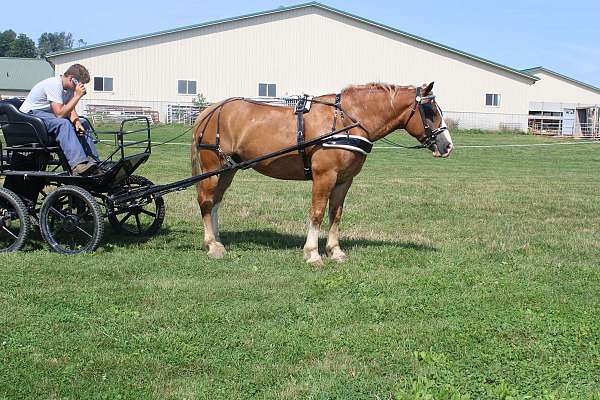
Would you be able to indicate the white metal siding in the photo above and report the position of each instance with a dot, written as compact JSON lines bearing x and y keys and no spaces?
{"x":308,"y":50}
{"x":551,"y":89}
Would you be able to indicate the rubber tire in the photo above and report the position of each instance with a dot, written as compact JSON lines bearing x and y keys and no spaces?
{"x":90,"y":201}
{"x":16,"y":202}
{"x":160,"y":211}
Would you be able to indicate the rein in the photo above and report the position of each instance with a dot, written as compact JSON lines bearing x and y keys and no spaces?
{"x":173,"y":138}
{"x":427,"y":140}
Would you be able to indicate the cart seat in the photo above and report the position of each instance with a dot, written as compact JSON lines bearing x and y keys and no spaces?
{"x":21,"y":129}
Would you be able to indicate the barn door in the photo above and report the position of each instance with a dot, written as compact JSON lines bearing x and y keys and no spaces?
{"x":582,"y":116}
{"x":568,"y":122}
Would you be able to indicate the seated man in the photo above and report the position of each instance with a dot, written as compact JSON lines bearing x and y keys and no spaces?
{"x":54,"y":100}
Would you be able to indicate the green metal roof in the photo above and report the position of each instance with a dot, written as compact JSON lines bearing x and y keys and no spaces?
{"x":23,"y":73}
{"x":575,"y":81}
{"x":300,"y":6}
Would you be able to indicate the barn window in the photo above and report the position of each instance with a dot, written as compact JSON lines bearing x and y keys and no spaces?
{"x":103,"y":84}
{"x":267,"y":90}
{"x":492,"y":100}
{"x":186,"y":87}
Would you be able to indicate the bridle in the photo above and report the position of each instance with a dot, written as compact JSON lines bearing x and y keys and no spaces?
{"x":429,"y":138}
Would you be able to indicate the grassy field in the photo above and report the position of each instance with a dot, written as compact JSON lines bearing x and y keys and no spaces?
{"x":472,"y":277}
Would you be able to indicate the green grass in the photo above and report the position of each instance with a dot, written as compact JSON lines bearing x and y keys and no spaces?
{"x":471,"y":277}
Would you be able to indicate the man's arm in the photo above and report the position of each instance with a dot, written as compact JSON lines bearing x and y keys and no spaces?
{"x":76,"y":122}
{"x":65,"y":110}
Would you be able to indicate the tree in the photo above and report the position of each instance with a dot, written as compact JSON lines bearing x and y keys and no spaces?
{"x":6,"y":39}
{"x":56,"y":41}
{"x":22,"y":47}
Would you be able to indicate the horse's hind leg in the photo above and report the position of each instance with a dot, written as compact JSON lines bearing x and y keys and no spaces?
{"x":336,"y":205}
{"x":210,"y":193}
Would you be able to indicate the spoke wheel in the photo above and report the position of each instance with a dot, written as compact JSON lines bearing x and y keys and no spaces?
{"x":71,"y":221}
{"x":14,"y":222}
{"x":139,"y":219}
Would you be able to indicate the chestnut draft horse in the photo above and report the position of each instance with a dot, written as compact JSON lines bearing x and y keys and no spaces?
{"x":238,"y":129}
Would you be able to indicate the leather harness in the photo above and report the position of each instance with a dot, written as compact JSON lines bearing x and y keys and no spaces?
{"x":340,"y":141}
{"x":343,"y":141}
{"x":300,"y":110}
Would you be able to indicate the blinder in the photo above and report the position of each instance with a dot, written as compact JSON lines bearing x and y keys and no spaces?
{"x":425,"y":105}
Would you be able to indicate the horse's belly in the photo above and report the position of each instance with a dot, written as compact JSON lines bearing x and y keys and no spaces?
{"x":288,"y":167}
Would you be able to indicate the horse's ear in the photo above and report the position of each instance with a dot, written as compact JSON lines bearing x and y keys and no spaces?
{"x":428,"y":89}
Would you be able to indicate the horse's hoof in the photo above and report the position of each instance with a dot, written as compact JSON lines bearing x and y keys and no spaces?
{"x":308,"y":254}
{"x":217,"y":251}
{"x":315,"y":260}
{"x":339,"y":257}
{"x":316,"y":263}
{"x":336,"y":254}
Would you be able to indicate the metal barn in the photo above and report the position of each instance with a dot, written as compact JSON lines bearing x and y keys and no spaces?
{"x":309,"y":48}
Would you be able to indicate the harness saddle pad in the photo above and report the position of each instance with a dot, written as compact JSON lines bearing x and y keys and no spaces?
{"x":349,"y":142}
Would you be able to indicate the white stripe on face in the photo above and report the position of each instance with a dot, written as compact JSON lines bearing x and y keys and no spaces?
{"x":446,"y":136}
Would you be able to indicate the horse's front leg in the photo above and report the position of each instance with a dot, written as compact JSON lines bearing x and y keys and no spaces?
{"x":323,"y":183}
{"x":336,"y":205}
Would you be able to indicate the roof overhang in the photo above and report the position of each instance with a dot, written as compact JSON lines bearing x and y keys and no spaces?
{"x":561,"y":76}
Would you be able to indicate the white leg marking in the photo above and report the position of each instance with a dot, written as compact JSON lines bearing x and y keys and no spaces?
{"x":333,"y":248}
{"x":311,"y":248}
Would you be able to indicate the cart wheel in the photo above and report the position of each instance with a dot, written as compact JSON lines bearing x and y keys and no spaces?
{"x":71,"y":221}
{"x":14,"y":221}
{"x":139,"y":219}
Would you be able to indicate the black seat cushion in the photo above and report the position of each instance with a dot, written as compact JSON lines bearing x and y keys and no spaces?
{"x":20,"y":128}
{"x":15,"y":101}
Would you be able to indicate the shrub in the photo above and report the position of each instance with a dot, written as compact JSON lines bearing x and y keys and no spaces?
{"x":200,"y":101}
{"x":452,"y":124}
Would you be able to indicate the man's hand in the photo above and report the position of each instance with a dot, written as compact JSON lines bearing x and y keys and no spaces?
{"x":79,"y":127}
{"x":80,"y":90}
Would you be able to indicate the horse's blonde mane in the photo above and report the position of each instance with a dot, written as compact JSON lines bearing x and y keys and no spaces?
{"x":391,"y":89}
{"x":393,"y":92}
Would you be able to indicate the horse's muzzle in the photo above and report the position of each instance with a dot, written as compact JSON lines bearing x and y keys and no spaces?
{"x":445,"y":154}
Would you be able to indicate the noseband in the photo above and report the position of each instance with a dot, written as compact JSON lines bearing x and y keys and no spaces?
{"x":430,"y":135}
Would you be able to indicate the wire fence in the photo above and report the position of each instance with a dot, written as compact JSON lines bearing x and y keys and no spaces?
{"x":110,"y":110}
{"x":486,"y":121}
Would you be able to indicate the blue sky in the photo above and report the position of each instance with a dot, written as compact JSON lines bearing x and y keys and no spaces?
{"x":558,"y":35}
